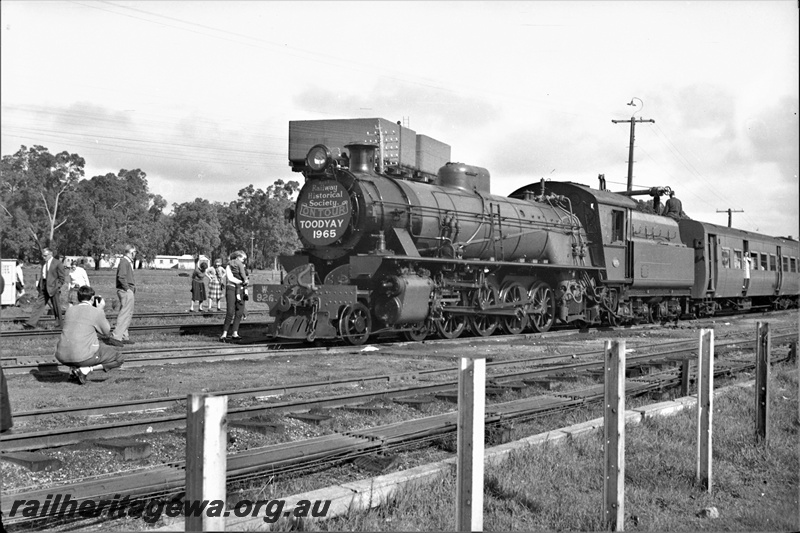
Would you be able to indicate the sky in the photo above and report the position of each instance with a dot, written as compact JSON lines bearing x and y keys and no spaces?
{"x":199,"y":94}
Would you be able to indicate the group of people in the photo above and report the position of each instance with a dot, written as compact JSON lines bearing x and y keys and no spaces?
{"x":75,"y":272}
{"x":87,"y":342}
{"x":673,"y":208}
{"x":208,"y":283}
{"x":84,"y":324}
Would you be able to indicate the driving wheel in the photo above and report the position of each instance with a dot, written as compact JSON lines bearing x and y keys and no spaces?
{"x":542,"y":314}
{"x":515,"y":293}
{"x":483,"y":297}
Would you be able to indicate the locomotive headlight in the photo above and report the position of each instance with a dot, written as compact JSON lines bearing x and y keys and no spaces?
{"x":319,"y":157}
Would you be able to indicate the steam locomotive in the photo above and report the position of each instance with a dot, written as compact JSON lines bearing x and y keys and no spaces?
{"x":390,"y":245}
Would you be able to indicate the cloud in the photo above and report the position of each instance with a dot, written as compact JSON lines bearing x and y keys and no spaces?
{"x":443,"y":111}
{"x":773,"y":136}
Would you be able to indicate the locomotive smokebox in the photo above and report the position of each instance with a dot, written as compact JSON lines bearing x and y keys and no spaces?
{"x":465,"y":177}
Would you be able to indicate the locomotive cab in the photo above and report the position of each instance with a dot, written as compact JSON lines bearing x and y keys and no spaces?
{"x":643,"y":260}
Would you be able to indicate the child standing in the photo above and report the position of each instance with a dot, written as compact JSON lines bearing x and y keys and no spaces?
{"x":214,"y":287}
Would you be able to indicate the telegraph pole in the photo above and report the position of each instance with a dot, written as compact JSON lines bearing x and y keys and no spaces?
{"x":633,"y":122}
{"x":252,"y":240}
{"x":730,"y":214}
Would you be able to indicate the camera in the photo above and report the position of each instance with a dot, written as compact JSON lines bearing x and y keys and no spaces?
{"x":96,"y":300}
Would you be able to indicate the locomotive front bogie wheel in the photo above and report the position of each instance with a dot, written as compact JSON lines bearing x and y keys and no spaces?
{"x":514,"y":293}
{"x":355,"y":324}
{"x":542,"y":312}
{"x":417,"y":333}
{"x":482,"y":298}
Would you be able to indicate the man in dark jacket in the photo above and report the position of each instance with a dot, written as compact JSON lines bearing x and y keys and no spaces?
{"x":126,"y":289}
{"x":51,"y":278}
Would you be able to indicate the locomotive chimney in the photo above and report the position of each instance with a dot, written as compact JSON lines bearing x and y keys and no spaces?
{"x":362,"y":157}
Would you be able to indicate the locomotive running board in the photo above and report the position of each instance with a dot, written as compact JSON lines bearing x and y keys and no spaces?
{"x":480,"y":262}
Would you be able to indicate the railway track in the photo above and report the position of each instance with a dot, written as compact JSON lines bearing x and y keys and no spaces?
{"x":675,"y":352}
{"x":255,"y":347}
{"x":137,"y":316}
{"x":168,"y":480}
{"x":180,"y":329}
{"x":248,"y":348}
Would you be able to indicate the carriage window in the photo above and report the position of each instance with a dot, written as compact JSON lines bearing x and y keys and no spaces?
{"x":793,"y":264}
{"x":737,"y":259}
{"x":617,"y":226}
{"x":764,"y":262}
{"x":786,"y":264}
{"x":726,"y":258}
{"x":773,"y":263}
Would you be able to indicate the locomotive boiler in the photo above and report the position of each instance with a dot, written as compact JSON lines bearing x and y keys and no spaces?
{"x":396,"y":251}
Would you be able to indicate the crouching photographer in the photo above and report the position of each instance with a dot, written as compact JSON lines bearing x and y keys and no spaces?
{"x":79,"y":346}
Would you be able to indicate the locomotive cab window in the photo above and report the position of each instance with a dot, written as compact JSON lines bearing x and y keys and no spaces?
{"x":737,"y":259}
{"x":773,"y":263}
{"x":617,"y":225}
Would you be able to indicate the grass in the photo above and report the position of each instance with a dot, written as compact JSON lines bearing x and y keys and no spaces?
{"x":559,"y":487}
{"x":156,"y":290}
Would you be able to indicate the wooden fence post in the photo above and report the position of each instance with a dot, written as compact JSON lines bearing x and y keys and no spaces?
{"x":206,"y":457}
{"x":614,"y":437}
{"x":685,"y":380}
{"x":763,"y":350}
{"x":705,"y":406}
{"x":469,"y":472}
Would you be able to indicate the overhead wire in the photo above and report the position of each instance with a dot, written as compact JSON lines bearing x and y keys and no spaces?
{"x":159,"y":128}
{"x":672,"y":148}
{"x":662,"y":135}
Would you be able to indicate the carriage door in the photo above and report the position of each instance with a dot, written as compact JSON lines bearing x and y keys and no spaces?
{"x":779,"y":277}
{"x":712,"y":262}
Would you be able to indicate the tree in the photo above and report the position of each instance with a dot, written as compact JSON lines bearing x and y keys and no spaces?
{"x":110,"y":211}
{"x":95,"y":222}
{"x":195,"y":228}
{"x":256,"y":220}
{"x":34,"y":183}
{"x":135,"y":207}
{"x":159,"y":228}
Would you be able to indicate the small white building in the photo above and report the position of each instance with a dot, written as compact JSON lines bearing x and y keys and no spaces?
{"x":185,"y":261}
{"x":85,"y":261}
{"x":9,"y":273}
